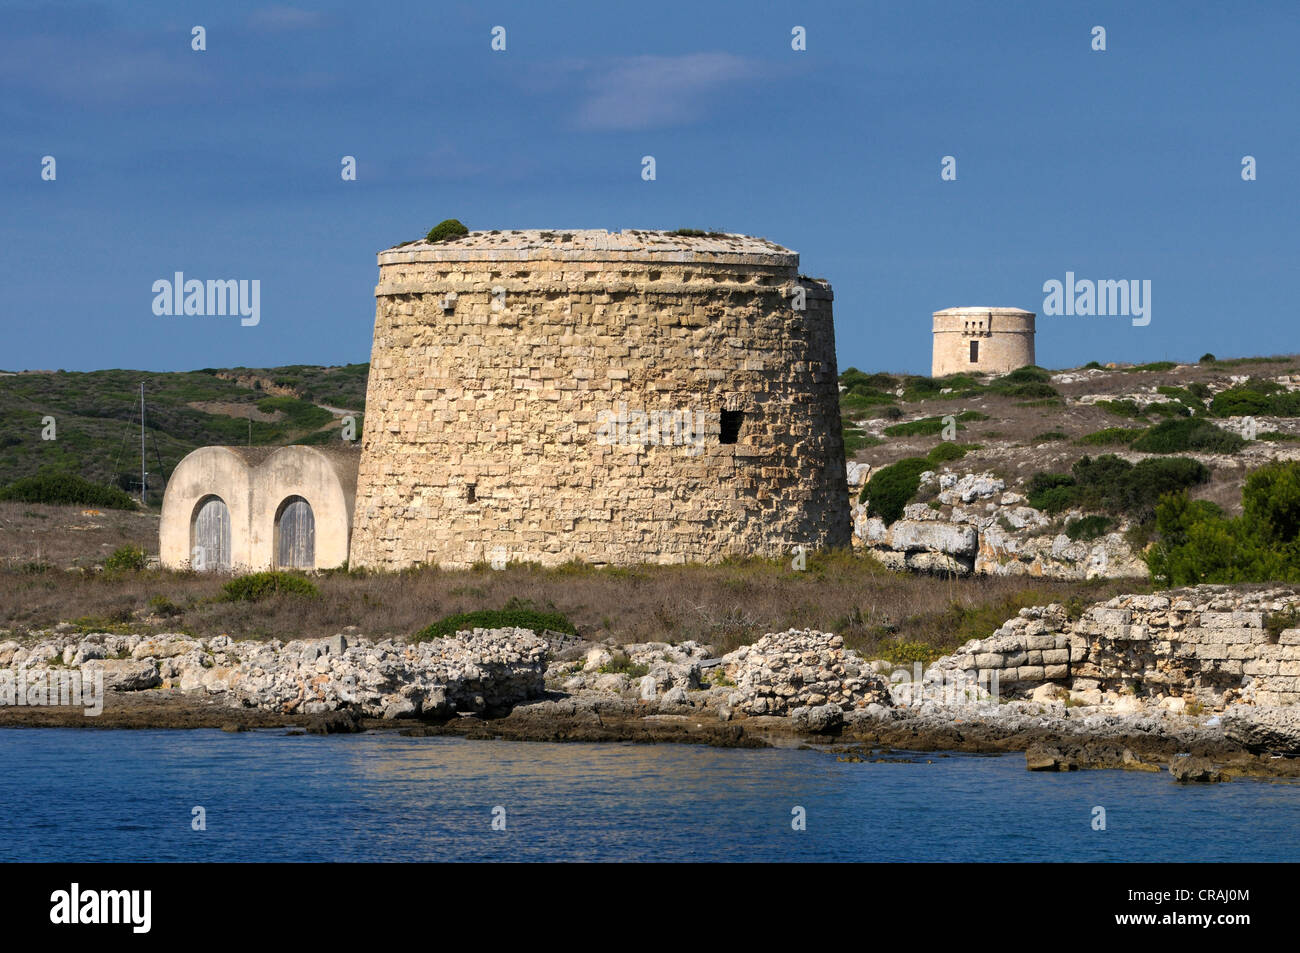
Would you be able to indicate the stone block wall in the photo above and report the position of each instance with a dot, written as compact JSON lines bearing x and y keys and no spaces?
{"x":543,"y":397}
{"x":1209,"y":644}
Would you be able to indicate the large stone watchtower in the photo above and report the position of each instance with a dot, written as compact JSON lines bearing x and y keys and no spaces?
{"x":987,"y":340}
{"x":606,"y":397}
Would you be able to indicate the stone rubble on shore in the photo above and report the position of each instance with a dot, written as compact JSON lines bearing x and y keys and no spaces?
{"x":1197,"y":670}
{"x":805,"y":674}
{"x":476,"y":671}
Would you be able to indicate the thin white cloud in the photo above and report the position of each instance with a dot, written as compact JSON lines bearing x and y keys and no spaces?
{"x":648,"y":91}
{"x":281,"y":18}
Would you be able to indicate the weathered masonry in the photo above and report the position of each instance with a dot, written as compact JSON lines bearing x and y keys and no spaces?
{"x":253,"y":508}
{"x":608,"y":397}
{"x":986,"y":340}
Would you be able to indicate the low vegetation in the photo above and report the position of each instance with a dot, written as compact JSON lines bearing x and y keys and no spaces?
{"x":516,"y":615}
{"x":446,"y":230}
{"x":891,"y":488}
{"x":66,"y":488}
{"x":97,"y":416}
{"x":126,"y":559}
{"x":262,"y":585}
{"x":1110,"y":437}
{"x":932,"y":426}
{"x":1088,"y":527}
{"x":1113,"y":485}
{"x":1256,"y":398}
{"x":1188,"y":435}
{"x":724,"y":605}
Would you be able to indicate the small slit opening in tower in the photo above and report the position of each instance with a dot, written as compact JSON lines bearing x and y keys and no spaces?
{"x":729,"y":431}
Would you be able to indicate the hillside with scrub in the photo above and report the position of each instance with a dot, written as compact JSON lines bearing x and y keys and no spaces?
{"x":1097,"y":471}
{"x":88,"y":424}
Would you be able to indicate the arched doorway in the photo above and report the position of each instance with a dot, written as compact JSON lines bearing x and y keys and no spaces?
{"x":210,"y":536}
{"x":295,"y":535}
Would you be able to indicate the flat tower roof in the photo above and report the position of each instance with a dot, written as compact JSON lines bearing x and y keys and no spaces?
{"x":594,"y":244}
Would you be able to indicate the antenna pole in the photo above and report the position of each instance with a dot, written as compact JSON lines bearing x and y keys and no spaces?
{"x":143,"y":502}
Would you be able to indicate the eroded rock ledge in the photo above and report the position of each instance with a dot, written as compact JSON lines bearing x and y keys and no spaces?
{"x":1211,"y":672}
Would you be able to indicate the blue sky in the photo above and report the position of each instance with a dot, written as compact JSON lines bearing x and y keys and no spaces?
{"x":1123,"y":164}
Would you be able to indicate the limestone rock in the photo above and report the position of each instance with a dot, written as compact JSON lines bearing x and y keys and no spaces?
{"x":1192,"y":769}
{"x":1275,"y":730}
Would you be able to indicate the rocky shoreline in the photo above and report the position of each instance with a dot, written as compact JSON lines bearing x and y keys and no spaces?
{"x":1066,"y":698}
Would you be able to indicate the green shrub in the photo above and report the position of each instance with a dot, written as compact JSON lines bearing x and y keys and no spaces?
{"x":1153,"y":366}
{"x":1048,"y":436}
{"x":1032,"y":390}
{"x":298,"y":414}
{"x":1113,"y":485}
{"x":1207,"y":358}
{"x":857,"y":401}
{"x":1271,"y":502}
{"x":1030,"y":373}
{"x":507,"y":618}
{"x":1121,"y":408}
{"x":856,"y":439}
{"x":1188,"y":434}
{"x":262,"y":585}
{"x":929,"y":426}
{"x":1111,"y":436}
{"x":161,"y":605}
{"x":906,"y":653}
{"x":621,"y":663}
{"x":919,"y":388}
{"x":1256,"y":398}
{"x":1050,"y":492}
{"x":949,"y":451}
{"x":855,"y":380}
{"x":891,"y":488}
{"x":1168,"y":408}
{"x":60,"y":488}
{"x":1196,"y":542}
{"x":1088,"y":528}
{"x":126,"y":559}
{"x":925,"y":427}
{"x":1275,"y":623}
{"x":446,"y":229}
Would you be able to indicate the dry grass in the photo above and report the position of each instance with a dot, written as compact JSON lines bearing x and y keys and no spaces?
{"x":878,"y":611}
{"x":70,"y":535}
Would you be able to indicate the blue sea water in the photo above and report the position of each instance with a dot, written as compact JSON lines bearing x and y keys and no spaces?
{"x":81,"y":795}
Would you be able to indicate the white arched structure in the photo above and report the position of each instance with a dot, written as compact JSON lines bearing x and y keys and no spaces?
{"x":232,"y":503}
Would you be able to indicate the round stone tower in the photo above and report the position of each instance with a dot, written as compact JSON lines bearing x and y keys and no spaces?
{"x":987,"y":340}
{"x":613,"y":398}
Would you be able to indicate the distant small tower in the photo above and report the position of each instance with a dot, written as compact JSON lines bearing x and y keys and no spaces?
{"x":986,"y":340}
